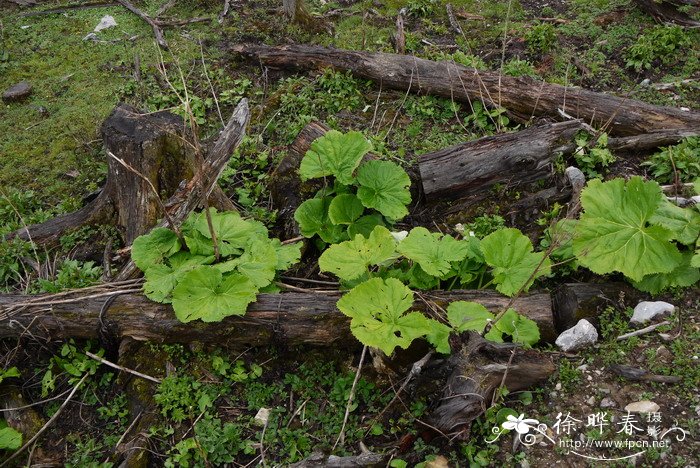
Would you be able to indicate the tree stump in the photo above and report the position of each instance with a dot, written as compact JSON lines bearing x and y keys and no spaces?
{"x":158,"y":146}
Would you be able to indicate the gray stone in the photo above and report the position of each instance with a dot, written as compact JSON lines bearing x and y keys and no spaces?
{"x":646,"y":311}
{"x":579,"y":336}
{"x":17,"y":92}
{"x":607,"y":403}
{"x":576,"y":178}
{"x":644,"y":406}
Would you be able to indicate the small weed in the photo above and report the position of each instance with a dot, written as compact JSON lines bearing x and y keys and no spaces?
{"x":683,"y":159}
{"x":71,"y":274}
{"x":482,"y":226}
{"x":541,"y":38}
{"x":568,"y":375}
{"x":518,"y":67}
{"x":593,"y":159}
{"x":660,"y":43}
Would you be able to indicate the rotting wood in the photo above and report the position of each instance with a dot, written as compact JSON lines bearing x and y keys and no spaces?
{"x":192,"y":194}
{"x":667,"y":11}
{"x":156,"y":145}
{"x":523,"y":97}
{"x":471,"y":168}
{"x":576,"y":301}
{"x":292,"y":318}
{"x":478,"y":368}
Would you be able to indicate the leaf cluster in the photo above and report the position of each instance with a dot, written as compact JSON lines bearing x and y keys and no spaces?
{"x":363,"y":194}
{"x":189,"y":276}
{"x":379,"y":265}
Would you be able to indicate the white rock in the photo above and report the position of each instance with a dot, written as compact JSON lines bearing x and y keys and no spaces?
{"x":591,"y":401}
{"x":644,"y":406}
{"x":695,"y":199}
{"x":106,"y":22}
{"x":645,"y":82}
{"x":557,"y":387}
{"x":607,"y":403}
{"x":646,"y":310}
{"x":263,"y":416}
{"x":579,"y":336}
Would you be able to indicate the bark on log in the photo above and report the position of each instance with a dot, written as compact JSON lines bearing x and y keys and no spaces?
{"x":292,"y":318}
{"x":478,"y":371}
{"x":470,"y":168}
{"x":522,"y":96}
{"x":666,"y":11}
{"x":576,"y":301}
{"x":156,"y":146}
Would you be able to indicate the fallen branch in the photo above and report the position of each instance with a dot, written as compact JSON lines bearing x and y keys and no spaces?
{"x":643,"y":331}
{"x":637,"y":374}
{"x":524,"y":97}
{"x":157,"y":32}
{"x":121,"y":368}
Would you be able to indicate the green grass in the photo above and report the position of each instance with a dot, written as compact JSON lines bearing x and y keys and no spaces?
{"x":57,"y":152}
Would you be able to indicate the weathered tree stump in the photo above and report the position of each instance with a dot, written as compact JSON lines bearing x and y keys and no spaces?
{"x":159,"y":147}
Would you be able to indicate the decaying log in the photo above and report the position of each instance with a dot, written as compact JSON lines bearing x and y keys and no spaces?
{"x":471,"y":168}
{"x":153,"y":144}
{"x":320,"y":459}
{"x":575,"y":301}
{"x":651,"y":140}
{"x":522,"y":96}
{"x":290,"y":317}
{"x":478,"y":368}
{"x":666,"y":11}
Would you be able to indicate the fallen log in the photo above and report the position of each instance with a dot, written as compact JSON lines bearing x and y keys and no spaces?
{"x":291,"y":317}
{"x":667,"y":11}
{"x":471,"y":168}
{"x":522,"y":96}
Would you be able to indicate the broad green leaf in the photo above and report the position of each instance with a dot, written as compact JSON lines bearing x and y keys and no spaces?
{"x":439,"y":336}
{"x":350,"y":259}
{"x":695,"y":261}
{"x":150,"y":249}
{"x":432,"y":251}
{"x":509,"y":253}
{"x":365,"y":225}
{"x":10,"y":439}
{"x":204,"y":293}
{"x":520,"y":328}
{"x":312,"y":216}
{"x":377,"y":308}
{"x":682,"y":276}
{"x":345,"y":208}
{"x":161,"y":279}
{"x":258,"y":263}
{"x":233,"y":233}
{"x":613,"y":232}
{"x":384,"y":187}
{"x":334,"y":154}
{"x":683,"y":223}
{"x":287,"y":254}
{"x":464,"y":315}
